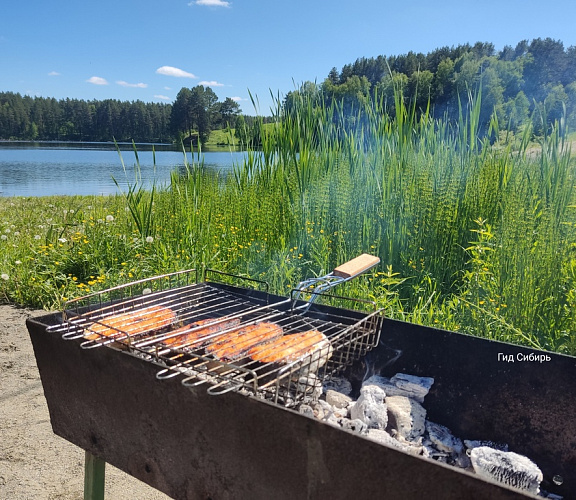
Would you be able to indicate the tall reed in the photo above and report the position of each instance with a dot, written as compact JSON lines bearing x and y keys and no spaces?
{"x":473,"y":236}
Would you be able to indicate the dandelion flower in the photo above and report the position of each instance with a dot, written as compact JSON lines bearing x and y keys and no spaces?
{"x":3,"y":237}
{"x":62,"y":240}
{"x":4,"y":276}
{"x":37,"y":237}
{"x":109,"y":218}
{"x":18,"y":262}
{"x":16,"y":233}
{"x":149,"y":239}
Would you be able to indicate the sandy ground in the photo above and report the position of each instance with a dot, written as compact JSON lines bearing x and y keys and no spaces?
{"x":35,"y":464}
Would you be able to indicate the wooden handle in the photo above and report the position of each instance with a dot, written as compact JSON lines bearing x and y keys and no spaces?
{"x":356,"y":266}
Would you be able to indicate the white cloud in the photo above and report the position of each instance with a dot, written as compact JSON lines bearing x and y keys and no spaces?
{"x":167,"y":88}
{"x":211,"y":83}
{"x":137,"y":85}
{"x":238,"y":99}
{"x":211,"y":3}
{"x":163,"y":97}
{"x":53,"y":73}
{"x":96,"y":80}
{"x":172,"y":71}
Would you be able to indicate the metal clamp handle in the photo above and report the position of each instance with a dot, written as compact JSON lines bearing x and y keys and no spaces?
{"x":343,"y":273}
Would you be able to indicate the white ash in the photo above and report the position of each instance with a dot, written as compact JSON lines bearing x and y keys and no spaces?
{"x":339,"y":384}
{"x":310,"y":385}
{"x":406,"y":416}
{"x":401,"y":384}
{"x":355,"y":425}
{"x":389,"y":411}
{"x":306,"y":410}
{"x":491,"y":444}
{"x":430,"y":451}
{"x":507,"y":468}
{"x":328,"y":413}
{"x":417,"y":386}
{"x":338,"y":399}
{"x":382,"y":437}
{"x":370,"y":407}
{"x":444,"y":441}
{"x":325,"y":407}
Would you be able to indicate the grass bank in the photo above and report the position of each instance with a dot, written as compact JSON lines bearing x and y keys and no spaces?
{"x":473,"y":236}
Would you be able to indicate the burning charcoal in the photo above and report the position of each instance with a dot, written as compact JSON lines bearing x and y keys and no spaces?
{"x":443,"y":438}
{"x":325,"y":406}
{"x":337,"y":399}
{"x":309,"y":386}
{"x":370,"y":407}
{"x":388,"y":387}
{"x":331,"y":419}
{"x":338,"y":384}
{"x":354,"y":425}
{"x":417,"y":387}
{"x":506,"y":467}
{"x":402,"y":388}
{"x":327,"y":413}
{"x":306,"y":410}
{"x":430,"y":451}
{"x":382,"y":437}
{"x":317,"y":409}
{"x":406,"y":416}
{"x":445,"y":441}
{"x":340,"y":412}
{"x":491,"y":444}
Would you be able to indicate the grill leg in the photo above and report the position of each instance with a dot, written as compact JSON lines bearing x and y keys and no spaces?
{"x":94,"y":472}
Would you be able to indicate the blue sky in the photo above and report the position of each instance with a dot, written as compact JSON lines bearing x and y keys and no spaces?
{"x":150,"y":49}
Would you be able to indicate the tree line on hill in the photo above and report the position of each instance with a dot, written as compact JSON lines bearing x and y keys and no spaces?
{"x":194,"y":114}
{"x":534,"y":81}
{"x":41,"y":118}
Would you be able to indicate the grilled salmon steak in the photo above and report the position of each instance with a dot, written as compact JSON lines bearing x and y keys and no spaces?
{"x":294,"y":347}
{"x":132,"y":323}
{"x":238,"y":342}
{"x":198,"y":333}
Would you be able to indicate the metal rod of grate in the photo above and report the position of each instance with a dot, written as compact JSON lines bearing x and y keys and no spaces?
{"x":224,"y":336}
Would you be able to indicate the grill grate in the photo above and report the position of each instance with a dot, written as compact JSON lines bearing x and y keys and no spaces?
{"x":165,"y":320}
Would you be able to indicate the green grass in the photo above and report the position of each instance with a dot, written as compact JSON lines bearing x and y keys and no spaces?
{"x":473,"y":237}
{"x":221,"y":138}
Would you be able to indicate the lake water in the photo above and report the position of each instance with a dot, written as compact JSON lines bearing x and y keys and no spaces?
{"x":42,"y":169}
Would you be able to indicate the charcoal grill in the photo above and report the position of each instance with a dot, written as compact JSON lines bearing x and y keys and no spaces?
{"x":196,"y":427}
{"x":172,"y":340}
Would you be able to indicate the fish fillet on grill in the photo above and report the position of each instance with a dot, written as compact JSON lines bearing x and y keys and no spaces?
{"x":235,"y":344}
{"x":133,"y":323}
{"x":311,"y":347}
{"x":197,"y":334}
